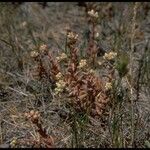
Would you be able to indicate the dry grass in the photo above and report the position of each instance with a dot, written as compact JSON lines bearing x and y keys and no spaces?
{"x":91,"y":90}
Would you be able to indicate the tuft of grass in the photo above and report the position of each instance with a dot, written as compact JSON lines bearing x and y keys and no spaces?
{"x":122,"y":64}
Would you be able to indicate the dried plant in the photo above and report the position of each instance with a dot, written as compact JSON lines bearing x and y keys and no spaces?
{"x":92,"y":44}
{"x":42,"y":70}
{"x":44,"y":138}
{"x":93,"y":88}
{"x":85,"y":89}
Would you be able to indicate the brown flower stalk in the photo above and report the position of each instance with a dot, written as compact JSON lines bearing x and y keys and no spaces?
{"x":73,"y":62}
{"x":92,"y":45}
{"x":85,"y":89}
{"x":45,"y":71}
{"x":45,"y":139}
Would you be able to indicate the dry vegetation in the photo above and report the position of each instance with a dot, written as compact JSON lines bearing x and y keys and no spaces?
{"x":75,"y":75}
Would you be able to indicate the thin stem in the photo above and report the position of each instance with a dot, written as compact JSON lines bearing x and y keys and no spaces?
{"x":131,"y":70}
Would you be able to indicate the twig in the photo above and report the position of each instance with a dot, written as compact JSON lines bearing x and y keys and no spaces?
{"x":131,"y":70}
{"x":18,"y":91}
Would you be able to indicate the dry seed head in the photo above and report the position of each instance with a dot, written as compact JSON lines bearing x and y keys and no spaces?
{"x":110,"y":56}
{"x":60,"y":86}
{"x":72,"y":36}
{"x":58,"y":58}
{"x":82,"y":63}
{"x":13,"y":142}
{"x":43,"y":48}
{"x":34,"y":54}
{"x":108,"y":86}
{"x":63,"y":56}
{"x":58,"y":90}
{"x":59,"y":76}
{"x":33,"y":115}
{"x":92,"y":13}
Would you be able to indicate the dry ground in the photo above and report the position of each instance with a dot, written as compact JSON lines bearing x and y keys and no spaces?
{"x":24,"y":27}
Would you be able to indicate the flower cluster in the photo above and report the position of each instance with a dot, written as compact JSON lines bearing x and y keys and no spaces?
{"x":78,"y":79}
{"x":43,"y":48}
{"x":45,"y":139}
{"x":110,"y":55}
{"x":93,"y":14}
{"x":108,"y":86}
{"x":82,"y":63}
{"x":32,"y":115}
{"x":92,"y":71}
{"x":13,"y":143}
{"x":34,"y":54}
{"x":62,"y":57}
{"x":72,"y":36}
{"x":60,"y":86}
{"x":59,"y":76}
